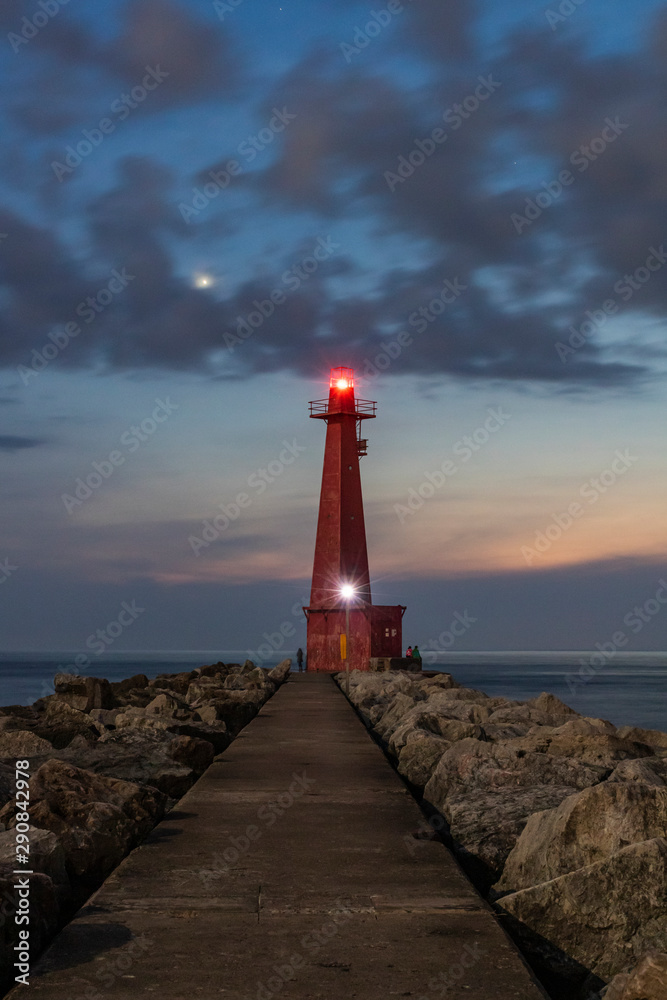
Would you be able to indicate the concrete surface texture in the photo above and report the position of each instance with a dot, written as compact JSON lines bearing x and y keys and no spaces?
{"x":290,"y":869}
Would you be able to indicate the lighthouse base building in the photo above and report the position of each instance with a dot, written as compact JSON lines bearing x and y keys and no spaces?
{"x":343,"y":623}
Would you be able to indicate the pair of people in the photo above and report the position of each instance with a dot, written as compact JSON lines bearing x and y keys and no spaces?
{"x":413,"y":653}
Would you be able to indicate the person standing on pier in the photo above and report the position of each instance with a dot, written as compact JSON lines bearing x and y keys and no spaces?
{"x":408,"y":652}
{"x":299,"y":658}
{"x":416,"y":655}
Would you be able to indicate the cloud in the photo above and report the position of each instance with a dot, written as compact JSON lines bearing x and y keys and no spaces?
{"x":68,"y":75}
{"x":353,"y":160}
{"x":12,"y":442}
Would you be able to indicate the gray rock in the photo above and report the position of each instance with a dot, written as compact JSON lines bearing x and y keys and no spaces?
{"x":46,"y":856}
{"x":458,"y":708}
{"x":443,"y":681}
{"x":57,"y":723}
{"x":168,"y":705}
{"x":204,"y":689}
{"x":392,"y":718}
{"x":419,"y":721}
{"x":497,"y":732}
{"x":97,"y":819}
{"x":120,"y":689}
{"x":485,"y":825}
{"x":550,"y":704}
{"x":647,"y":981}
{"x":104,"y":717}
{"x":527,"y":713}
{"x":417,"y":760}
{"x":176,"y":683}
{"x":586,"y":828}
{"x":208,"y":714}
{"x":22,"y":744}
{"x":83,"y":693}
{"x":592,"y":746}
{"x":280,"y":673}
{"x":653,"y":737}
{"x":650,"y":771}
{"x":602,"y":918}
{"x":216,"y":733}
{"x":168,"y":763}
{"x":234,"y":682}
{"x":471,"y":765}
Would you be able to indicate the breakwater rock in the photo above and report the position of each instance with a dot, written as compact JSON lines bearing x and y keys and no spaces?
{"x":560,"y":820}
{"x":106,"y":762}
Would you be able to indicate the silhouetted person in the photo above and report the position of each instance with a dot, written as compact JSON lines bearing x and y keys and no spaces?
{"x":408,"y":652}
{"x":299,"y":658}
{"x":416,"y":655}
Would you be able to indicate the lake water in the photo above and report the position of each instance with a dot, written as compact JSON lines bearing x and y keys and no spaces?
{"x":631,"y":690}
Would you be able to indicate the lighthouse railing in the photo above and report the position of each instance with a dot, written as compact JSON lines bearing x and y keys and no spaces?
{"x":362,"y":408}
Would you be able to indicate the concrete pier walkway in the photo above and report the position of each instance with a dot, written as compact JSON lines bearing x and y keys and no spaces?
{"x":288,"y":870}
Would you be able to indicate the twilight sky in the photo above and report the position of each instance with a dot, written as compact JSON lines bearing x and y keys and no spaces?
{"x":206,"y":205}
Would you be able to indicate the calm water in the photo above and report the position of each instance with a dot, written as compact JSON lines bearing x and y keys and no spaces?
{"x":629,"y":691}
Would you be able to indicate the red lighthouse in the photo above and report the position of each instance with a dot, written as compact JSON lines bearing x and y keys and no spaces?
{"x":341,"y":583}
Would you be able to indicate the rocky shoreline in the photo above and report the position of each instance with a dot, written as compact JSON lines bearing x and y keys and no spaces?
{"x":107,"y":762}
{"x":559,"y":820}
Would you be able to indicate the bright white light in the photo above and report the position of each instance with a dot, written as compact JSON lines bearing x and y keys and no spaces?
{"x":203,"y":281}
{"x":342,"y":383}
{"x":347,"y":591}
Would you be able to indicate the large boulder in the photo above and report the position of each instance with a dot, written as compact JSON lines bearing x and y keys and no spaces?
{"x":83,"y":693}
{"x":216,"y":733}
{"x":590,"y":745}
{"x":280,"y":673}
{"x":119,"y":689}
{"x":21,"y":743}
{"x":168,"y":763}
{"x":97,"y":819}
{"x":46,"y":856}
{"x":168,"y":705}
{"x":394,"y":714}
{"x":527,"y":713}
{"x":176,"y":683}
{"x":204,"y":689}
{"x":647,"y":981}
{"x":586,"y":828}
{"x":373,"y":693}
{"x":649,"y":770}
{"x":104,"y":718}
{"x":418,"y":758}
{"x":485,"y":825}
{"x":442,"y":681}
{"x":56,"y":722}
{"x":599,"y":919}
{"x":551,"y":705}
{"x":418,"y":721}
{"x":454,"y":705}
{"x":471,"y":765}
{"x":653,"y":737}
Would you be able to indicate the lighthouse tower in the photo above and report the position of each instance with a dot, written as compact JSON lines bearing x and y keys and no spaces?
{"x":340,"y":598}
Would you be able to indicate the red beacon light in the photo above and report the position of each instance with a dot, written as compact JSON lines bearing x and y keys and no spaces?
{"x":342,"y":378}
